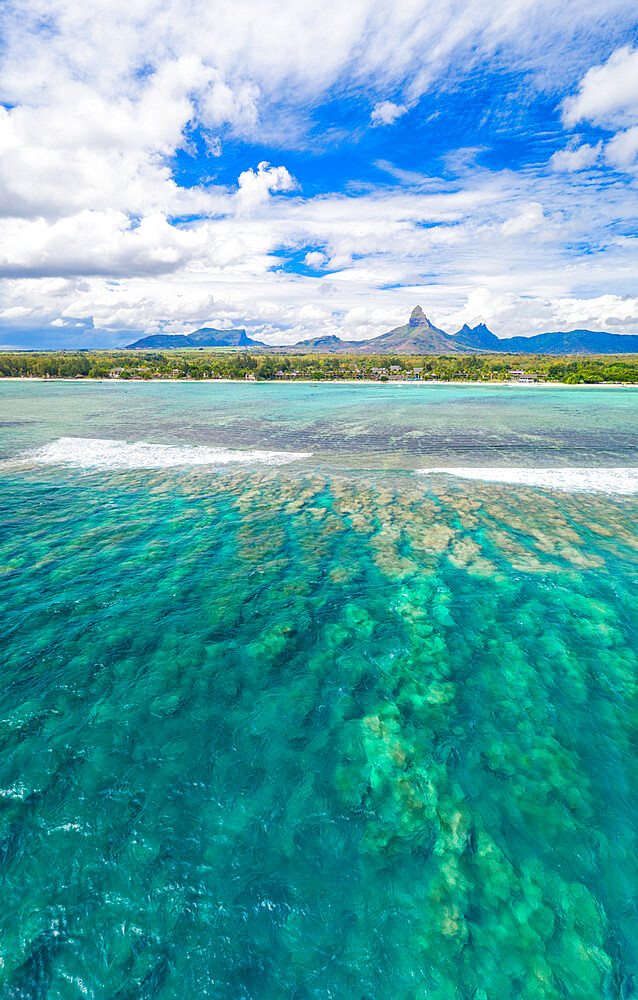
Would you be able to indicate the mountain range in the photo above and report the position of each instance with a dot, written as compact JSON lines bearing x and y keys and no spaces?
{"x":417,"y":336}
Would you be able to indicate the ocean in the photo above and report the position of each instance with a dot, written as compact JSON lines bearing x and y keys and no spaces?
{"x":318,"y":691}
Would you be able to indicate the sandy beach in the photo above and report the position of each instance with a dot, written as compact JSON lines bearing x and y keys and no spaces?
{"x":321,"y":382}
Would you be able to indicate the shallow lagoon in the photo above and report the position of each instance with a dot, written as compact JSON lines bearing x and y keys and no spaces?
{"x":322,"y":729}
{"x":344,"y":426}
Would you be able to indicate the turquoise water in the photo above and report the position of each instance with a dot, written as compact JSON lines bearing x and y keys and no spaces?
{"x":379,"y":426}
{"x":284,"y":717}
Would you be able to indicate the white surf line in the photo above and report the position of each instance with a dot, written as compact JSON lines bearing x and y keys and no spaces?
{"x":621,"y":481}
{"x":98,"y":453}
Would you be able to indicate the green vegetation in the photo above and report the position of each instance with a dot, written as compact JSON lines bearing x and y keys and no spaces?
{"x":268,"y":366}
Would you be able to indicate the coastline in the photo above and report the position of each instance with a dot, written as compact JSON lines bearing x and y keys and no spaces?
{"x":321,"y":382}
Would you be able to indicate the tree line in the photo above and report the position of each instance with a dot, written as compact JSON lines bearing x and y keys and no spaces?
{"x":265,"y":366}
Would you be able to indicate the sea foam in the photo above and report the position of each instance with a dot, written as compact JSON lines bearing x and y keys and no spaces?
{"x":97,"y":453}
{"x":619,"y":481}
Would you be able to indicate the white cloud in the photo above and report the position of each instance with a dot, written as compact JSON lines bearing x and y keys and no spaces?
{"x":575,"y":158}
{"x":608,"y":94}
{"x":221,"y":105}
{"x":15,"y":312}
{"x":509,"y":314}
{"x":315,"y":258}
{"x":621,"y":152}
{"x":255,"y":187}
{"x":607,"y":97}
{"x":387,"y":112}
{"x":526,"y":221}
{"x":92,"y":242}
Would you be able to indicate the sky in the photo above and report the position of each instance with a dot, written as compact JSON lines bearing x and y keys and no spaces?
{"x":318,"y":167}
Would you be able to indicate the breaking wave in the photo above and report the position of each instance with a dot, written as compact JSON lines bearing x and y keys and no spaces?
{"x":598,"y":480}
{"x":97,"y":453}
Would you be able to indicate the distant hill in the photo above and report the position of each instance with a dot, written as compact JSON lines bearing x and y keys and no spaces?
{"x":573,"y":342}
{"x":327,"y":343}
{"x":206,"y":336}
{"x":417,"y":336}
{"x":161,"y":340}
{"x":478,"y":338}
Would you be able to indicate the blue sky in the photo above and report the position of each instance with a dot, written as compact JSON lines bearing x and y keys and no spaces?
{"x":321,"y":168}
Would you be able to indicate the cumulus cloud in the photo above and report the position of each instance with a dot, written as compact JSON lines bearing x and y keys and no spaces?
{"x":575,"y":157}
{"x":92,"y":242}
{"x":608,"y":97}
{"x":315,"y":258}
{"x":621,"y":152}
{"x":387,"y":112}
{"x":255,"y":187}
{"x":526,"y":221}
{"x":220,"y":104}
{"x":510,"y":314}
{"x":608,"y":94}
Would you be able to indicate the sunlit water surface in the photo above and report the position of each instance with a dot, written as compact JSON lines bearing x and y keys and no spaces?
{"x":284,"y":716}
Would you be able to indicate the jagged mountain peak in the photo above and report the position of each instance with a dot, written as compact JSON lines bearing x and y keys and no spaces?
{"x":478,"y":337}
{"x":479,"y":328}
{"x":418,"y":317}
